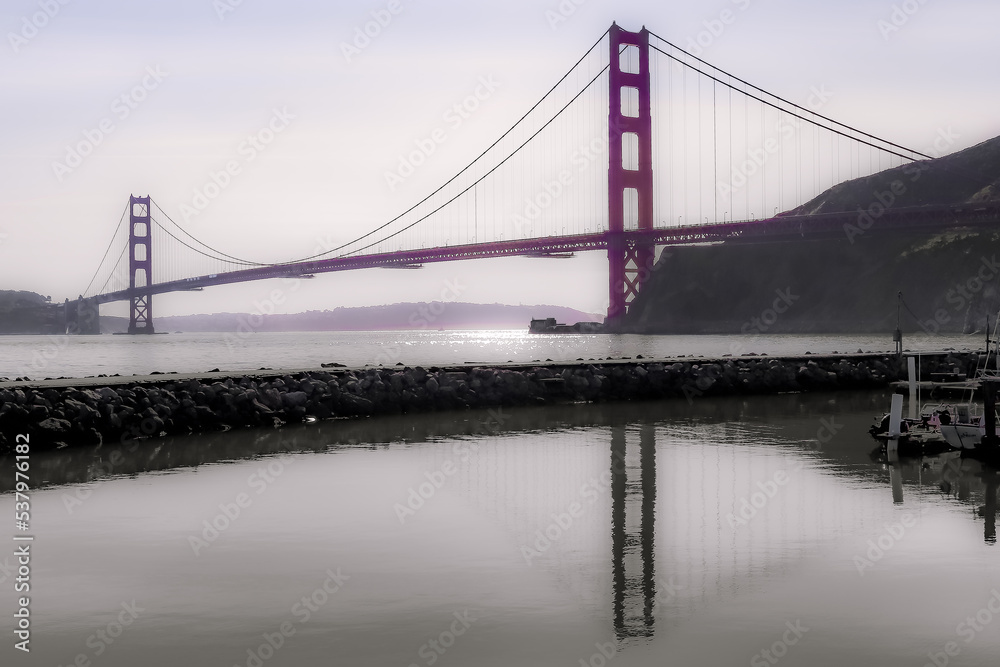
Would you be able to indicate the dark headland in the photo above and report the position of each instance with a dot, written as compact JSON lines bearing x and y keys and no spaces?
{"x":849,"y":284}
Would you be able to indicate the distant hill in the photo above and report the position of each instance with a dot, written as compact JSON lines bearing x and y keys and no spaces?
{"x":23,"y":312}
{"x":970,"y":176}
{"x":398,"y":316}
{"x":950,"y":281}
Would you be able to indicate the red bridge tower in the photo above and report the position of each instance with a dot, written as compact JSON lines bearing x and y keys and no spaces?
{"x":630,"y":167}
{"x":140,"y":265}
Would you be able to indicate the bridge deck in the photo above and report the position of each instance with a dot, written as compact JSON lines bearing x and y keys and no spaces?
{"x":782,"y":227}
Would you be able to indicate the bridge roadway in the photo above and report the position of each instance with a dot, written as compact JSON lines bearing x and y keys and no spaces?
{"x":851,"y":225}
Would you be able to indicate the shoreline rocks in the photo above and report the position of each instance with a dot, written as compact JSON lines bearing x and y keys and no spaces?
{"x":59,"y":416}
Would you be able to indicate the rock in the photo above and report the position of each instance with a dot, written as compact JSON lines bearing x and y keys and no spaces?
{"x":82,"y":416}
{"x":260,"y":408}
{"x":38,"y":413}
{"x":84,"y":413}
{"x":52,"y":427}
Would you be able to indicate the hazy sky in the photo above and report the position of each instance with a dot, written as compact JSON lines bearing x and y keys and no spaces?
{"x":212,"y":72}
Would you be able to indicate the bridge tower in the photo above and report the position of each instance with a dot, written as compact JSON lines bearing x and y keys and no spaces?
{"x":140,"y":264}
{"x":630,"y":167}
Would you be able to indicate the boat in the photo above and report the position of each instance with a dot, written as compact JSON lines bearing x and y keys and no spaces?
{"x":550,"y":325}
{"x":932,"y":415}
{"x":915,"y":437}
{"x":964,"y":435}
{"x":961,"y":425}
{"x":967,"y":431}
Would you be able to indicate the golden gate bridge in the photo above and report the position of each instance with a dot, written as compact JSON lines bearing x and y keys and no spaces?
{"x":639,"y":144}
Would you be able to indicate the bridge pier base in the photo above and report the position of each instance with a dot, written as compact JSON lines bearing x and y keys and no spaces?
{"x":82,"y":317}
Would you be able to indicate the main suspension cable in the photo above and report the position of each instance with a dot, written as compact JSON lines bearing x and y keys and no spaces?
{"x":853,"y":129}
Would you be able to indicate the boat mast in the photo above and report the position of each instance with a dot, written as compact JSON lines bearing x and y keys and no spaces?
{"x":897,"y":335}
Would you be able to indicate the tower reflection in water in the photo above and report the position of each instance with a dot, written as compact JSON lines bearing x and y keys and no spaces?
{"x":989,"y":511}
{"x":633,"y":493}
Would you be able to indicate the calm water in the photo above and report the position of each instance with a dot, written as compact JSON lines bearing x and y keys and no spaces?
{"x":77,"y":356}
{"x":650,"y":551}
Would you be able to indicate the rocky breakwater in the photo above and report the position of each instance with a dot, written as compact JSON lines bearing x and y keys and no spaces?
{"x":128,"y":409}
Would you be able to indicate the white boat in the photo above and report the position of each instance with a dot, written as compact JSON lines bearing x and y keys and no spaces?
{"x":932,"y":416}
{"x":963,"y":436}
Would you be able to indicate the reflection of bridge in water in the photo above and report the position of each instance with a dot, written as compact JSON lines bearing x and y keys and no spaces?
{"x":671,"y":517}
{"x":659,"y":533}
{"x":684,"y":508}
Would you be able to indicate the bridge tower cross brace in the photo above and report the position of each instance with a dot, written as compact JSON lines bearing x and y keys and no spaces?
{"x":140,"y":265}
{"x":630,"y":181}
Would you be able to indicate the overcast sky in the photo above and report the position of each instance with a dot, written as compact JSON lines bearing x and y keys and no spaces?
{"x":216,"y":71}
